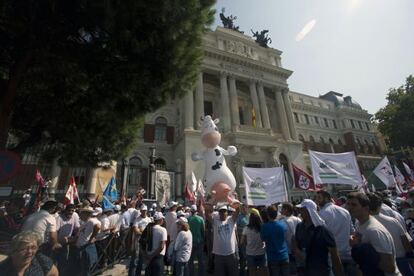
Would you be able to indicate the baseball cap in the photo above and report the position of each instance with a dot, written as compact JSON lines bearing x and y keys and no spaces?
{"x":97,"y":211}
{"x":231,"y":209}
{"x":193,"y":207}
{"x":173,"y":203}
{"x":180,"y":214}
{"x":181,"y":219}
{"x":144,"y":207}
{"x":154,"y":205}
{"x":158,"y":216}
{"x":224,"y":207}
{"x":117,"y":208}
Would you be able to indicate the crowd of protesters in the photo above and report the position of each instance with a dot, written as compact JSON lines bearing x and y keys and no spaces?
{"x":360,"y":234}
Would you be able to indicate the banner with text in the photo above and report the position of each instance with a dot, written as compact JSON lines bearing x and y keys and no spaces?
{"x":335,"y":168}
{"x":264,"y":186}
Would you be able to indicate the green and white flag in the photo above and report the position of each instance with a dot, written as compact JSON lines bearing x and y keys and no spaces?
{"x":335,"y":168}
{"x":264,"y":186}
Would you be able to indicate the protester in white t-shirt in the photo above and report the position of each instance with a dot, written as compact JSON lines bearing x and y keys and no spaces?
{"x":370,"y":231}
{"x":291,"y":222}
{"x":399,"y":235}
{"x":154,"y":258}
{"x":255,"y":247}
{"x":170,"y":219}
{"x":224,"y":241}
{"x":43,"y":223}
{"x":115,"y":220}
{"x":130,"y":215}
{"x":182,"y":247}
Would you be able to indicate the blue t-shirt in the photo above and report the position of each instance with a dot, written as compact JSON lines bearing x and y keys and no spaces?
{"x":273,"y":234}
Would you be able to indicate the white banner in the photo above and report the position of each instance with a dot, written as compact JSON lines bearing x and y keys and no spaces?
{"x":384,"y":172}
{"x":264,"y":186}
{"x":164,"y":183}
{"x":335,"y":168}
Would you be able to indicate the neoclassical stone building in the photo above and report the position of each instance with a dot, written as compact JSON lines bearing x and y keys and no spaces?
{"x":246,"y":87}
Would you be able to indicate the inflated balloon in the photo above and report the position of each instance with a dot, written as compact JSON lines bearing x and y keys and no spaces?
{"x":218,"y":179}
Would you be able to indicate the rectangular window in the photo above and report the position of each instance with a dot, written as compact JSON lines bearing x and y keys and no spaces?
{"x":208,"y":108}
{"x":317,"y":120}
{"x":334,"y":123}
{"x":241,"y":115}
{"x":296,"y":117}
{"x":352,"y":123}
{"x":360,"y":125}
{"x":367,"y":125}
{"x":326,"y":122}
{"x":307,"y":119}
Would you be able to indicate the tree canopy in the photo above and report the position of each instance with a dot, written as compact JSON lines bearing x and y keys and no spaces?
{"x":395,"y":120}
{"x":80,"y":75}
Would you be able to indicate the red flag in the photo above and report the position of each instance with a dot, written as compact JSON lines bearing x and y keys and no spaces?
{"x":72,"y":192}
{"x":303,"y":180}
{"x":188,"y":194}
{"x":40,"y":179}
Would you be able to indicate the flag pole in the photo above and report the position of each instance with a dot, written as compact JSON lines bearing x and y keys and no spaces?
{"x":286,"y":184}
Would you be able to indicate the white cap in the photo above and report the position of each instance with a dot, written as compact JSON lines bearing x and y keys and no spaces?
{"x":231,"y":209}
{"x":193,"y":207}
{"x":224,"y":207}
{"x":97,"y":211}
{"x":158,"y":216}
{"x":154,"y":205}
{"x":181,"y":219}
{"x":144,"y":207}
{"x":180,"y":214}
{"x":173,"y":203}
{"x":117,"y":207}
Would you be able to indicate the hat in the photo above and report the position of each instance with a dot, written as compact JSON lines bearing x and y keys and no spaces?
{"x":181,"y":219}
{"x":180,"y":214}
{"x":158,"y":216}
{"x":154,"y":205}
{"x":86,"y":209}
{"x":173,"y":203}
{"x":193,"y":207}
{"x":97,"y":211}
{"x":224,"y":207}
{"x":313,"y":211}
{"x":117,"y":208}
{"x":231,"y":209}
{"x":144,"y":207}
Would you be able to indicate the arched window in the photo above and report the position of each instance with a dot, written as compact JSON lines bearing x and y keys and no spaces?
{"x":134,"y":174}
{"x":311,"y":142}
{"x":160,"y":164}
{"x":304,"y":143}
{"x":160,"y":129}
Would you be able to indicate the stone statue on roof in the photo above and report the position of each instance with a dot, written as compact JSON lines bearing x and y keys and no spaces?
{"x":262,"y":38}
{"x":228,"y":21}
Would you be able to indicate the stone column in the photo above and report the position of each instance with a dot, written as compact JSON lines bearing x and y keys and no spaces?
{"x":224,"y":96}
{"x":289,"y":115}
{"x":54,"y":178}
{"x":234,"y":104}
{"x":91,"y":188}
{"x":263,"y":106}
{"x":189,"y":110}
{"x":255,"y":102}
{"x":282,"y":114}
{"x":199,"y":100}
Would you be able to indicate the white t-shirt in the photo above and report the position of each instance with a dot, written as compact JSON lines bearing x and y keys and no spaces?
{"x":224,"y":236}
{"x":129,"y":217}
{"x":115,"y":220}
{"x":65,"y":226}
{"x":159,"y":234}
{"x":85,"y":231}
{"x":183,"y":245}
{"x":254,"y":243}
{"x":291,"y":223}
{"x":386,"y":210}
{"x":141,"y":222}
{"x":42,"y":223}
{"x":103,"y":233}
{"x":170,"y":222}
{"x":374,"y":233}
{"x":396,"y":231}
{"x":338,"y":221}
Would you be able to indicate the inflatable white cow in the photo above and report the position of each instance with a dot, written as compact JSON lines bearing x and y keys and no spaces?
{"x":218,"y":178}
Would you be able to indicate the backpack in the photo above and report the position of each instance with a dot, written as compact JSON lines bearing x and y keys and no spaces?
{"x":145,"y":242}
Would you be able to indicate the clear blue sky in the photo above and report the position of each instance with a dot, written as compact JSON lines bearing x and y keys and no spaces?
{"x":359,"y":48}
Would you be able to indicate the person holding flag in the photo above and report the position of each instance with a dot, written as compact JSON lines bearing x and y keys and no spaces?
{"x":72,"y":192}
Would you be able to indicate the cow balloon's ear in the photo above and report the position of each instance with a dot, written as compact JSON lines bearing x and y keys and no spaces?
{"x":216,"y":121}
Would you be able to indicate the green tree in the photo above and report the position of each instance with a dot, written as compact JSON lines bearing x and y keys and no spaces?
{"x":395,"y":120}
{"x":79,"y":75}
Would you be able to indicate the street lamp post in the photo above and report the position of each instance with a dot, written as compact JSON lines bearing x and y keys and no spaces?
{"x":151,"y":171}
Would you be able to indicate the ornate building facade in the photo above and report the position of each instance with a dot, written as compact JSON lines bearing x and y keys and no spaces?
{"x":246,"y":87}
